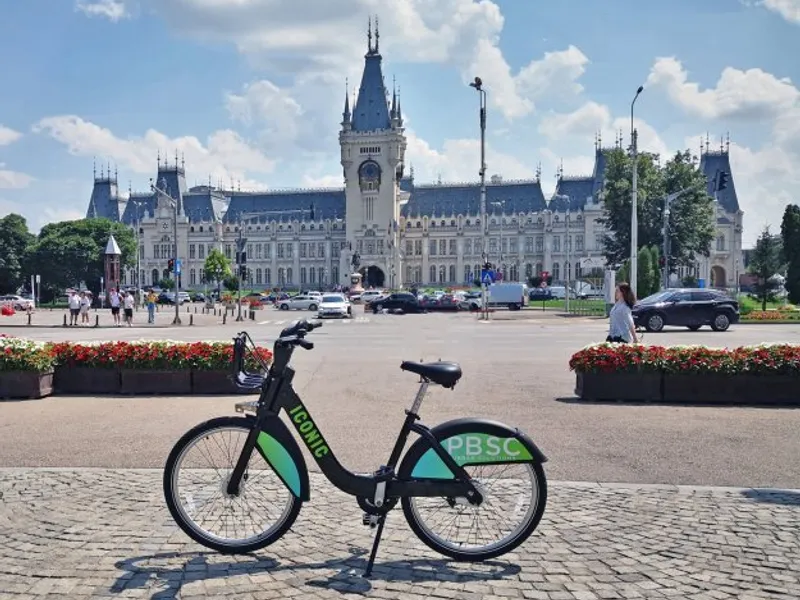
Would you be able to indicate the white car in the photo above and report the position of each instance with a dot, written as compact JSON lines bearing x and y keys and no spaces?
{"x":16,"y":302}
{"x":334,"y":305}
{"x":300,"y":302}
{"x":370,"y":295}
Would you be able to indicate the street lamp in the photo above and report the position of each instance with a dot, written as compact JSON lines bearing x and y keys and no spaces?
{"x":477,"y":83}
{"x":175,"y":268}
{"x":634,"y":270}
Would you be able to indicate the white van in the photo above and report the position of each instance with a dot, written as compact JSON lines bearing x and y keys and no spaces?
{"x":514,"y":296}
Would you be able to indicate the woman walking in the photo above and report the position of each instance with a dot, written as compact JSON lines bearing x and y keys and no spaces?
{"x":621,"y":328}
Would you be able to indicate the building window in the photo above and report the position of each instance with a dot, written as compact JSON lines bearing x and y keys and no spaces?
{"x":579,"y":243}
{"x":268,"y":251}
{"x":528,"y":270}
{"x":192,"y":277}
{"x":539,"y":269}
{"x":289,"y":253}
{"x":556,"y":273}
{"x":442,"y":274}
{"x":228,"y":251}
{"x":409,"y":274}
{"x":493,"y":245}
{"x":156,"y":253}
{"x":409,"y":247}
{"x":556,"y":243}
{"x":335,"y":273}
{"x":312,"y":250}
{"x":155,"y":277}
{"x":141,"y":251}
{"x":568,"y":270}
{"x":598,"y":241}
{"x":578,"y":270}
{"x":380,"y":246}
{"x":720,"y":243}
{"x":201,"y":251}
{"x":249,"y":250}
{"x":258,"y":276}
{"x":529,"y":245}
{"x":477,"y":247}
{"x":505,"y":246}
{"x":312,"y":275}
{"x":259,"y":251}
{"x":191,"y":251}
{"x":280,"y":251}
{"x":321,"y":249}
{"x":433,"y":274}
{"x":418,"y":247}
{"x":303,"y":276}
{"x":513,"y":273}
{"x":467,"y":247}
{"x":369,"y":207}
{"x":303,"y":249}
{"x":452,"y":249}
{"x":267,"y":276}
{"x":289,"y":278}
{"x":432,"y":250}
{"x":468,"y":274}
{"x":539,"y":243}
{"x":281,"y":276}
{"x":202,"y":275}
{"x":443,"y":247}
{"x":453,"y":273}
{"x":513,"y":245}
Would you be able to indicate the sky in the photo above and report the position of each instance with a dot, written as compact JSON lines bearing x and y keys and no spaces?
{"x":250,"y":92}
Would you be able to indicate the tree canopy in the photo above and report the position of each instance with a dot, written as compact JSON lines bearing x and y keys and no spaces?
{"x":766,"y":261}
{"x":216,"y":267}
{"x":691,"y":220}
{"x":15,"y":243}
{"x":790,"y":236}
{"x":69,"y":252}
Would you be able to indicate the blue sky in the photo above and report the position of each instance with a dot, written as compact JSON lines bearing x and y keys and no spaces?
{"x":251,"y":91}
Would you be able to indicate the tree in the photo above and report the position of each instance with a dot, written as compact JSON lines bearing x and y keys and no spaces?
{"x":231,"y":283}
{"x":644,"y":274}
{"x":15,"y":243}
{"x":624,"y":273}
{"x":691,"y":221}
{"x":167,"y":283}
{"x":766,"y":262}
{"x":657,"y":273}
{"x":790,"y":236}
{"x":216,"y":267}
{"x":69,"y":252}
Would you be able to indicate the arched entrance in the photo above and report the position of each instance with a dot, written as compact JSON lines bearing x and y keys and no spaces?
{"x":718,"y":277}
{"x":372,"y":277}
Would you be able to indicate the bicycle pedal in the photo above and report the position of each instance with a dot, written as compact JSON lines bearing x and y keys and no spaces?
{"x":370,"y":520}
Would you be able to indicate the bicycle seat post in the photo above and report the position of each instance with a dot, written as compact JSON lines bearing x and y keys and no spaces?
{"x":423,"y":389}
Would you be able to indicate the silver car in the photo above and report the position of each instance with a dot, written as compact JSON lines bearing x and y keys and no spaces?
{"x":334,"y":305}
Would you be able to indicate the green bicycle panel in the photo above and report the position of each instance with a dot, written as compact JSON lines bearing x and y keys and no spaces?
{"x":281,"y":461}
{"x":470,"y":449}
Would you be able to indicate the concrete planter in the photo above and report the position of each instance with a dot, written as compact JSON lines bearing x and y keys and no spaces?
{"x":146,"y":382}
{"x":214,"y":382}
{"x":25,"y":384}
{"x":622,"y":386}
{"x":731,"y":389}
{"x":87,"y":380}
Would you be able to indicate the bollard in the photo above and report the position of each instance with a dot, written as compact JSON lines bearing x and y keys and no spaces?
{"x":65,"y":319}
{"x":188,"y":308}
{"x":97,"y":320}
{"x":191,"y":320}
{"x":195,"y":310}
{"x":29,"y":318}
{"x":225,"y":317}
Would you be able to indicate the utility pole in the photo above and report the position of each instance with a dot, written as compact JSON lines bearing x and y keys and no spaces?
{"x":634,"y":270}
{"x":478,"y":85}
{"x":175,"y":265}
{"x":567,"y":267}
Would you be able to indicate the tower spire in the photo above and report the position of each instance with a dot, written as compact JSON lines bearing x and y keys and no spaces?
{"x":369,"y":35}
{"x":377,"y":36}
{"x":728,"y":142}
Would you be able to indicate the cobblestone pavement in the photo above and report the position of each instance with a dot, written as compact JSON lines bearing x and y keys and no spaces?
{"x":98,"y":533}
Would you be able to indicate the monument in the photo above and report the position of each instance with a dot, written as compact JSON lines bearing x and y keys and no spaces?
{"x":112,"y":266}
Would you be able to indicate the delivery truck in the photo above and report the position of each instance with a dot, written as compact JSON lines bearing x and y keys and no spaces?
{"x":513,"y":296}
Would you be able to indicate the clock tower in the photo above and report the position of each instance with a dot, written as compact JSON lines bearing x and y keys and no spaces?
{"x":373,"y":145}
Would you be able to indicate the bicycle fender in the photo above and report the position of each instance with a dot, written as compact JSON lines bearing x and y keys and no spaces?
{"x":469,"y":442}
{"x":280,"y":450}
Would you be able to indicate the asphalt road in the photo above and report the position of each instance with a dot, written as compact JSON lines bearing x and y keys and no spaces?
{"x":514,"y":371}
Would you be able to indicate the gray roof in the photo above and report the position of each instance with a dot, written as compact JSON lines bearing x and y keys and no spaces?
{"x":710,"y":163}
{"x":287,"y":205}
{"x":112,"y":247}
{"x":105,"y":201}
{"x":577,"y":189}
{"x":371,"y":111}
{"x":465,"y":198}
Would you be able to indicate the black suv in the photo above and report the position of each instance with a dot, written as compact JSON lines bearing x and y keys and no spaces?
{"x":401,"y":302}
{"x":690,"y":308}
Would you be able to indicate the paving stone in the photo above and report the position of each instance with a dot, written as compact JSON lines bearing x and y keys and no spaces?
{"x":95,"y":533}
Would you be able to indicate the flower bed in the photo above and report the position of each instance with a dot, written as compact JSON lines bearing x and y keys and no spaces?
{"x":147,"y":367}
{"x":26,"y":368}
{"x":772,"y":315}
{"x":765,"y":374}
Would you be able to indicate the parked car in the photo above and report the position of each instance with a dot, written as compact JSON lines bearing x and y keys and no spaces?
{"x":16,"y":302}
{"x":541,"y":294}
{"x":692,"y":308}
{"x":300,"y":302}
{"x":514,"y":296}
{"x":400,"y":302}
{"x":335,"y":305}
{"x":368,"y":296}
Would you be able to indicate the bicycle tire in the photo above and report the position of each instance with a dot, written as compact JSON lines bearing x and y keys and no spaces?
{"x":274,"y":533}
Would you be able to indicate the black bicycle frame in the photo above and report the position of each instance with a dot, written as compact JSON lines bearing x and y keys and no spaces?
{"x":278,"y":394}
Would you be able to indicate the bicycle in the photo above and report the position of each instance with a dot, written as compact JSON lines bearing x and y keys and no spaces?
{"x":436,"y":468}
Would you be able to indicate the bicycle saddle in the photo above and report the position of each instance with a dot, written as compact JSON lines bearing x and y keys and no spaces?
{"x":445,"y":374}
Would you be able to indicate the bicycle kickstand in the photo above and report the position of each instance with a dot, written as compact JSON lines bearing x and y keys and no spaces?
{"x":375,"y":544}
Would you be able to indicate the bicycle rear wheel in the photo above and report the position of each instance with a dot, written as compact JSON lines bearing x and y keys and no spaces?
{"x":196,"y":476}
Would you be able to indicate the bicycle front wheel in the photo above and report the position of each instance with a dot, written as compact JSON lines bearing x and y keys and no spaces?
{"x":196,"y":477}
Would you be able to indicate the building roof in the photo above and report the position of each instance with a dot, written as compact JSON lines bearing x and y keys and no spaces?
{"x":104,"y":202}
{"x":112,"y":247}
{"x":465,"y":198}
{"x":577,"y":191}
{"x":371,"y":111}
{"x":287,"y":205}
{"x":710,"y":163}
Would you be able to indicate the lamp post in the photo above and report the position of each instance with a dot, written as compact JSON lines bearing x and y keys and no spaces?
{"x":477,"y":83}
{"x":634,"y":270}
{"x":175,"y":269}
{"x":241,"y":260}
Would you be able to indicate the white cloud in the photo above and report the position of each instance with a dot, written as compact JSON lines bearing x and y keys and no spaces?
{"x":788,"y":9}
{"x":753,"y":94}
{"x":8,"y":135}
{"x":225,"y":154}
{"x":583,"y":124}
{"x":113,"y":10}
{"x":13,"y":180}
{"x":327,"y":39}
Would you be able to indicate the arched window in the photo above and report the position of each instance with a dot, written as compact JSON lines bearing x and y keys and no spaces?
{"x":267,"y":276}
{"x":312,"y":275}
{"x":721,"y":243}
{"x":281,"y":276}
{"x":335,"y":274}
{"x":289,"y":278}
{"x":513,"y":273}
{"x":453,"y":273}
{"x":539,"y":269}
{"x":433,"y":274}
{"x":468,"y":275}
{"x":556,"y":272}
{"x":303,"y":276}
{"x":528,"y":270}
{"x":409,"y":273}
{"x":192,"y":277}
{"x":578,"y":270}
{"x":166,"y":274}
{"x":442,"y":274}
{"x":568,"y":270}
{"x":259,"y":276}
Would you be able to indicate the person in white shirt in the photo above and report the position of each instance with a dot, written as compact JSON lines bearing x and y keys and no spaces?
{"x":128,"y":302}
{"x":86,"y":303}
{"x":114,"y":298}
{"x":74,"y":308}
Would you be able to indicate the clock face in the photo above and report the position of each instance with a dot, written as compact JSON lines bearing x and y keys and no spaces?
{"x":165,"y":226}
{"x":369,"y":175}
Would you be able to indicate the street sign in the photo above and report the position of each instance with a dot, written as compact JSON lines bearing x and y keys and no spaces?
{"x":38,"y":279}
{"x":178,"y":267}
{"x":487,"y":276}
{"x":592,"y":262}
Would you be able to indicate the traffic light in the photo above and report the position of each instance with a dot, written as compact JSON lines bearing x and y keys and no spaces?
{"x":243,"y":272}
{"x":171,"y":265}
{"x":722,"y":180}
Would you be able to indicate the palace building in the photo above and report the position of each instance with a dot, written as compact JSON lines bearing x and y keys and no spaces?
{"x":404,"y":233}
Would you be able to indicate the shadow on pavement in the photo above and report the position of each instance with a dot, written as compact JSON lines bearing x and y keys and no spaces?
{"x":773,"y":496}
{"x":718,"y":404}
{"x":167,"y":580}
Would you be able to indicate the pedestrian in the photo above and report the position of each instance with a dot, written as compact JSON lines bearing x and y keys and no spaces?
{"x":74,"y":308}
{"x":151,"y":307}
{"x":115,"y":300}
{"x":85,"y":304}
{"x":621,"y":328}
{"x":128,"y":301}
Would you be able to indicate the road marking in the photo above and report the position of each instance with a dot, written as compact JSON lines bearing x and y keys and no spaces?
{"x":355,"y":320}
